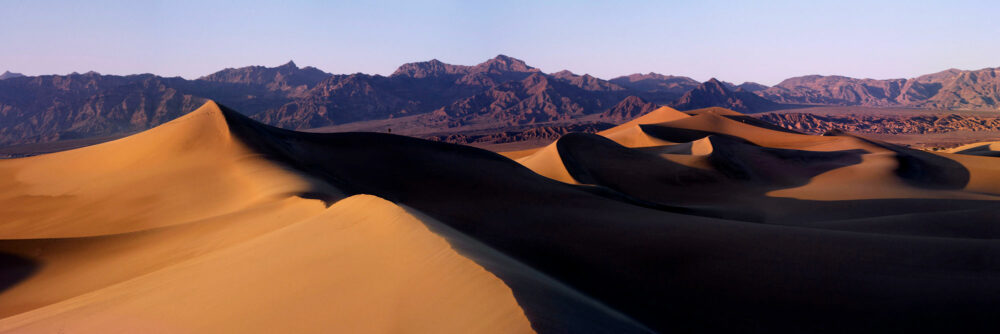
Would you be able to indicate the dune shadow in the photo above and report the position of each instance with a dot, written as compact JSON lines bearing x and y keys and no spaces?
{"x":676,"y":135}
{"x":922,"y":169}
{"x":759,"y":123}
{"x":14,"y":269}
{"x":982,"y":150}
{"x":327,"y":198}
{"x":546,"y":302}
{"x":742,"y":173}
{"x":773,"y":169}
{"x":668,"y":271}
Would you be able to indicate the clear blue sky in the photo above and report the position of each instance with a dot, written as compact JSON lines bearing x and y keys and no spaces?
{"x":763,"y":41}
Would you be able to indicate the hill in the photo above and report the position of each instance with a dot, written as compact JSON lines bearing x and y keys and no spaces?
{"x":714,"y":93}
{"x":9,"y":74}
{"x":950,"y":89}
{"x":443,"y":99}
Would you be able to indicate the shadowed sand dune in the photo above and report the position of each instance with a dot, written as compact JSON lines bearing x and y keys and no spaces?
{"x":988,"y":149}
{"x":630,"y":133}
{"x":693,"y":222}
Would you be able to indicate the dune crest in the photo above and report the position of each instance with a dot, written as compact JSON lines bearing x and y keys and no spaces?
{"x":362,"y":265}
{"x":184,"y":170}
{"x":990,"y":149}
{"x":186,"y":211}
{"x":546,"y":161}
{"x":630,"y":133}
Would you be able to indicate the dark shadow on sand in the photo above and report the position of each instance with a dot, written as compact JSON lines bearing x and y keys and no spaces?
{"x":14,"y":269}
{"x":672,"y":272}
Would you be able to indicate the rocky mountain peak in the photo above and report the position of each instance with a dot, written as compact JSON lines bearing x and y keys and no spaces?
{"x":10,"y":75}
{"x":502,"y":63}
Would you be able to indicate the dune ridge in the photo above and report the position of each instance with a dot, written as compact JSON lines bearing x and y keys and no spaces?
{"x":128,"y":270}
{"x":990,"y":149}
{"x":187,"y":169}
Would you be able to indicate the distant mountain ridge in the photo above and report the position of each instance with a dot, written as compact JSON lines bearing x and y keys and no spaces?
{"x":629,"y":108}
{"x":535,"y":99}
{"x":714,"y":93}
{"x":287,"y":77}
{"x":9,"y":74}
{"x":656,"y":87}
{"x":950,"y":89}
{"x":497,"y":92}
{"x":414,"y":88}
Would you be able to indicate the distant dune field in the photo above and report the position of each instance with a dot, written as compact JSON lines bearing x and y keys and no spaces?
{"x":699,"y":221}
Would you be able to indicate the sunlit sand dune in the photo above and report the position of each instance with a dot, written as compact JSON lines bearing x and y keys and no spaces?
{"x":702,"y":221}
{"x":630,"y":133}
{"x":185,"y":170}
{"x":362,"y":265}
{"x":184,"y":229}
{"x":546,"y":161}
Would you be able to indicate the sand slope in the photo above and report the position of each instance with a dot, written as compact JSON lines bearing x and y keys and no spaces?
{"x":184,"y":229}
{"x":630,"y":134}
{"x":362,"y":265}
{"x":546,"y":161}
{"x":990,"y":149}
{"x":184,"y":170}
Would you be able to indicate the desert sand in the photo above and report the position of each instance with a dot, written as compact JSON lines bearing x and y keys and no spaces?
{"x":991,"y":149}
{"x":183,"y":229}
{"x":697,"y":221}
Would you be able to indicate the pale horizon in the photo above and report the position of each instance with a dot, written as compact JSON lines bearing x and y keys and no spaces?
{"x":731,"y":41}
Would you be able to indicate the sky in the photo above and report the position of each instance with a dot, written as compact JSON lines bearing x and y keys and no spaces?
{"x":737,"y":41}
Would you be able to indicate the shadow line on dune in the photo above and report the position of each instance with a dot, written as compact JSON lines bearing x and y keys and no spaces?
{"x":743,"y":173}
{"x":545,"y":300}
{"x":920,"y":168}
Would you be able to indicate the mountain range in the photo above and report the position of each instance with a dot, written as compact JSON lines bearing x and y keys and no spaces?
{"x":950,"y":89}
{"x":500,"y":92}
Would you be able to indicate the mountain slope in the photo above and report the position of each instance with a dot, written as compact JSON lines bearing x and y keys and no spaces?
{"x":9,"y":75}
{"x":657,"y":87}
{"x":535,"y":99}
{"x":415,"y":88}
{"x":288,"y":77}
{"x":586,"y":82}
{"x":950,"y":89}
{"x":490,"y":73}
{"x":91,"y":106}
{"x":628,"y":109}
{"x":752,"y":87}
{"x":963,"y":90}
{"x":815,"y":89}
{"x":714,"y":93}
{"x":48,"y":108}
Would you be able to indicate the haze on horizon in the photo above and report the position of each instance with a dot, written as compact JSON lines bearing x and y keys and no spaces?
{"x":730,"y":40}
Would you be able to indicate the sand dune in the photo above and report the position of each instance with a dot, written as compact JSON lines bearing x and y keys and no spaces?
{"x":990,"y":149}
{"x":631,"y":135}
{"x":675,"y":222}
{"x":362,"y":265}
{"x":185,"y":170}
{"x":546,"y":161}
{"x":183,"y":229}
